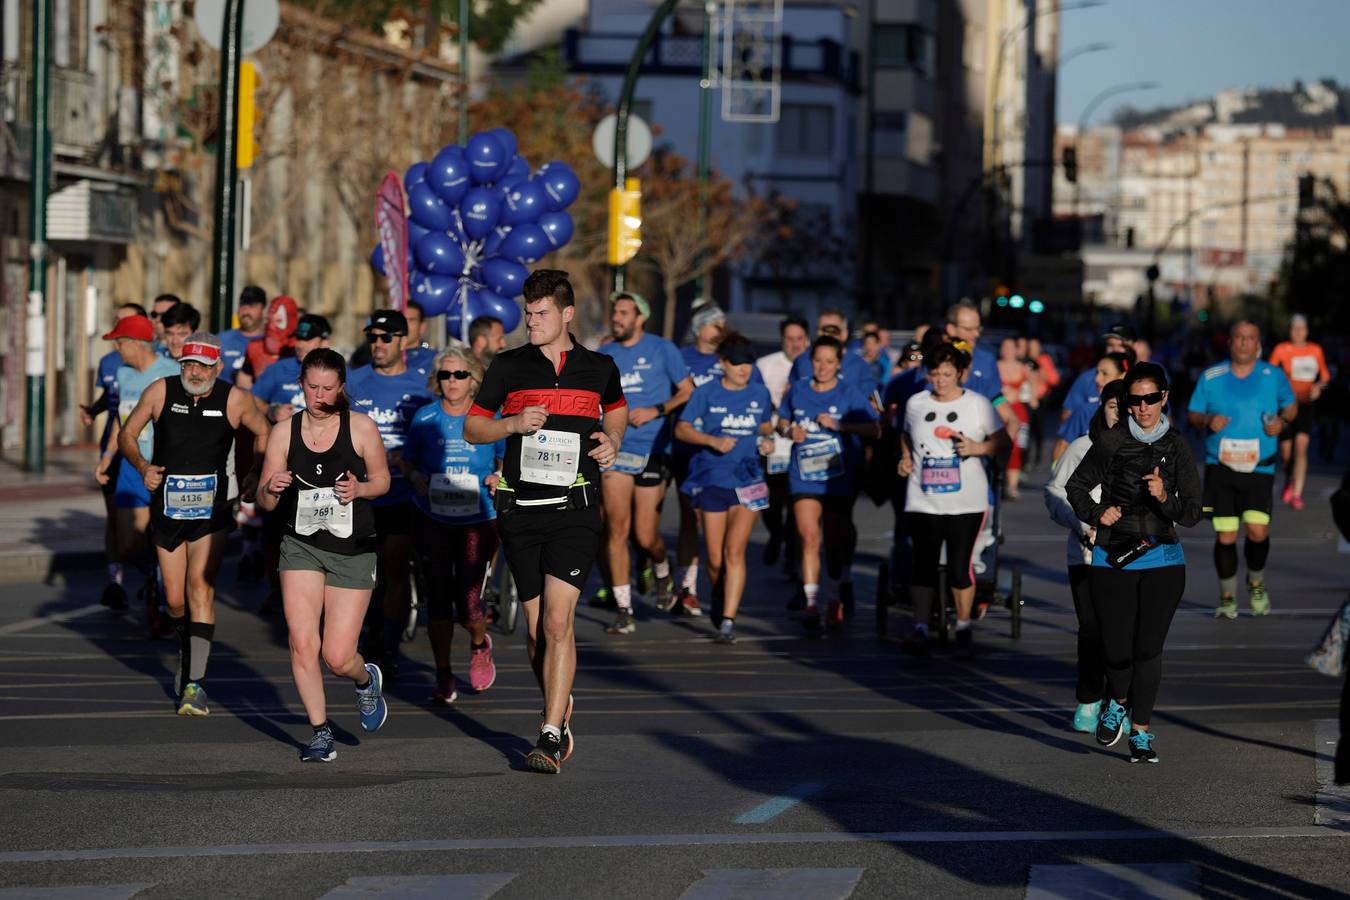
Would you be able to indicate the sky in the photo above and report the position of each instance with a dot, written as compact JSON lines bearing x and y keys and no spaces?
{"x":1193,"y":48}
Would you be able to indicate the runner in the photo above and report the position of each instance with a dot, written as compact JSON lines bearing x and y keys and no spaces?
{"x":964,"y":324}
{"x":390,"y":393}
{"x":455,"y":536}
{"x":948,"y":432}
{"x":1082,"y":399}
{"x":487,"y":338}
{"x":730,"y":421}
{"x":115,"y":594}
{"x":419,"y":355}
{"x":853,"y":370}
{"x":278,"y":340}
{"x":1017,"y":387}
{"x":1111,"y":367}
{"x":878,"y":359}
{"x":775,"y":369}
{"x":1148,"y":487}
{"x":321,"y":470}
{"x":656,"y":383}
{"x":1306,"y":368}
{"x":825,"y":418}
{"x":553,"y":394}
{"x":142,"y":365}
{"x":195,"y":416}
{"x":234,"y":343}
{"x":1241,"y":407}
{"x":1043,"y":364}
{"x":158,"y":307}
{"x":179,"y":322}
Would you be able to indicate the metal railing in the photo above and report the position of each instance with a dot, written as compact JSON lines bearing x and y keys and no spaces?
{"x":74,"y":105}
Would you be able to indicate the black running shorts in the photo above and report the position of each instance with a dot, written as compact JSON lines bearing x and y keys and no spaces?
{"x":1302,"y":424}
{"x":169,"y":533}
{"x":1229,"y":494}
{"x":558,"y":542}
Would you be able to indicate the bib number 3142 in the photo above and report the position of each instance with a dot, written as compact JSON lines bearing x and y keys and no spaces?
{"x":550,"y":457}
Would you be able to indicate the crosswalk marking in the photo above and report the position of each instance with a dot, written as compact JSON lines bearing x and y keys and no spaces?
{"x":770,"y":809}
{"x":1163,"y":881}
{"x":75,"y":892}
{"x":421,"y":887}
{"x":772,"y":884}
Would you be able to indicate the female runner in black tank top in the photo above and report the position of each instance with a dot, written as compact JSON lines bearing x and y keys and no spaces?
{"x":321,"y":470}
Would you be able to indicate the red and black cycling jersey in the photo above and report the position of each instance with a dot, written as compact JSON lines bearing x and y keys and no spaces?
{"x":584,"y":387}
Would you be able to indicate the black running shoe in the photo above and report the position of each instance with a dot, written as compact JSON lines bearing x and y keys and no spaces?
{"x":797,"y":602}
{"x":1141,"y":747}
{"x":547,"y":755}
{"x":916,"y":645}
{"x":811,"y":619}
{"x":965,"y":643}
{"x":114,"y":596}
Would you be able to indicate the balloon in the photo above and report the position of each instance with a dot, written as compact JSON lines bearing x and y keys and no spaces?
{"x":479,"y":210}
{"x":561,"y":185}
{"x":377,"y":258}
{"x":448,"y":174}
{"x":525,"y":203}
{"x":416,"y":233}
{"x":429,"y":210}
{"x":416,"y":174}
{"x":494,"y":241}
{"x":487,"y":157}
{"x":557,"y":227}
{"x":518,"y":171}
{"x":483,"y":302}
{"x":507,"y":138}
{"x":438,"y":253}
{"x":505,"y":277}
{"x":433,"y":292}
{"x":526,"y":244}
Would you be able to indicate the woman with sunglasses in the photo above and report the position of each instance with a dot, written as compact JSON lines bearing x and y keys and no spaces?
{"x":1148,"y":486}
{"x":455,"y":535}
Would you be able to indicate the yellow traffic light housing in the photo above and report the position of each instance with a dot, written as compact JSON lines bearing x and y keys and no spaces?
{"x":625,"y":222}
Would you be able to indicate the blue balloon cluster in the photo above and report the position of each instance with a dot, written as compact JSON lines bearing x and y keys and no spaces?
{"x":477,"y":219}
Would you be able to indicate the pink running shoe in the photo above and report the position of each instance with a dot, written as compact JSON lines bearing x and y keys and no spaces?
{"x":1296,"y":502}
{"x":482,"y":670}
{"x":1288,"y":496}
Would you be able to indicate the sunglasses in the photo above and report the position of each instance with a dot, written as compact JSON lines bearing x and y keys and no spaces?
{"x":458,"y":375}
{"x":1141,"y":399}
{"x":382,"y":338}
{"x":915,"y":357}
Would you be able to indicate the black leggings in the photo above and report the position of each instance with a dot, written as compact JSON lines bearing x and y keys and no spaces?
{"x":454,"y":561}
{"x":1135,"y":610}
{"x":1091,"y":664}
{"x":927,"y":533}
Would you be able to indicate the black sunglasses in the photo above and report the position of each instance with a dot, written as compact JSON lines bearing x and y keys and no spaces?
{"x":384,"y":338}
{"x":458,"y":375}
{"x":1141,"y":399}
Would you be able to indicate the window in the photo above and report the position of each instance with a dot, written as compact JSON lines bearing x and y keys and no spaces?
{"x":805,"y":129}
{"x":888,"y":135}
{"x":900,"y":47}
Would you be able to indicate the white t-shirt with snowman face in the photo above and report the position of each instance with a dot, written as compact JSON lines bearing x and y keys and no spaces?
{"x":943,"y":483}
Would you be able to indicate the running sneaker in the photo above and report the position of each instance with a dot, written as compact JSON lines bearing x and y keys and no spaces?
{"x":797,"y":602}
{"x":1259,"y":598}
{"x":114,"y":596}
{"x":1297,"y":503}
{"x":1287,"y":497}
{"x":725,"y":633}
{"x":916,"y":645}
{"x":665,"y":593}
{"x":547,"y":755}
{"x":623,"y":623}
{"x":965,"y":642}
{"x":646,"y":580}
{"x":1141,"y":747}
{"x":689,"y":603}
{"x":1085,"y":717}
{"x":601,"y":599}
{"x":811,"y":618}
{"x":1111,"y":723}
{"x":320,"y":747}
{"x":444,"y":691}
{"x":846,"y":597}
{"x":370,"y":702}
{"x":834,"y":615}
{"x":482,"y":670}
{"x":567,"y":741}
{"x":1227,"y":608}
{"x":193,"y":702}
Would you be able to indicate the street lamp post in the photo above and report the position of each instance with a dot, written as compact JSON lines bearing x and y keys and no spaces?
{"x":35,"y":359}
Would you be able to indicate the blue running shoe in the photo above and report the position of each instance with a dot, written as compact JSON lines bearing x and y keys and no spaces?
{"x":1141,"y":747}
{"x":370,"y":702}
{"x":1111,"y":724}
{"x":1085,"y":717}
{"x":193,"y":701}
{"x":320,"y":747}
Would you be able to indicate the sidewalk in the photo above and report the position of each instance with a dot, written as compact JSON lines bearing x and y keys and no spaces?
{"x":50,"y":522}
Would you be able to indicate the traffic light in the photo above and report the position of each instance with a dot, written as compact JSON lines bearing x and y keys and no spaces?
{"x":248,"y":82}
{"x":1036,"y":307}
{"x":1071,"y":164}
{"x":1017,"y":301}
{"x":625,"y":222}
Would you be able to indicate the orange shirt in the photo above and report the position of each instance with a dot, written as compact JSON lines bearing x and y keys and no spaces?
{"x":1305,"y":366}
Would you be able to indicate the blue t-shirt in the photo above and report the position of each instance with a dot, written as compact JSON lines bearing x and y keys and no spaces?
{"x":827,"y":462}
{"x":279,"y":384}
{"x":853,"y":369}
{"x":391,"y":401}
{"x":898,"y":391}
{"x":107,"y":379}
{"x":1157,"y":558}
{"x":719,"y":412}
{"x":984,"y":378}
{"x":421,"y":358}
{"x":1079,"y":421}
{"x":456,"y":469}
{"x":233,"y":345}
{"x":1083,"y":393}
{"x":880,"y":368}
{"x":1243,"y":444}
{"x":131,"y":384}
{"x":649,"y":371}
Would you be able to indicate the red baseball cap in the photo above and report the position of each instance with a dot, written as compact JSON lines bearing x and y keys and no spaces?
{"x":205,"y":354}
{"x":138,"y":328}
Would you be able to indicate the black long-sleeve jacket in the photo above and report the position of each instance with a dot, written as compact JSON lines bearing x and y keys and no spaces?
{"x":1118,"y":461}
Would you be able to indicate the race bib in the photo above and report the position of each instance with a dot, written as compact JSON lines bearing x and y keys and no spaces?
{"x":940,"y":474}
{"x":781,"y":456}
{"x":188,"y":497}
{"x":124,"y":409}
{"x":319,"y":509}
{"x":820,"y":460}
{"x":1304,"y":368}
{"x":550,"y":457}
{"x":454,"y":495}
{"x":1240,"y":456}
{"x":754,"y":497}
{"x":630,"y":463}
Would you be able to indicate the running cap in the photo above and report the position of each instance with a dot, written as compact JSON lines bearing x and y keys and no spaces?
{"x":138,"y":328}
{"x":312,"y":327}
{"x":390,"y":320}
{"x":1120,"y":332}
{"x":639,"y":301}
{"x":201,"y":347}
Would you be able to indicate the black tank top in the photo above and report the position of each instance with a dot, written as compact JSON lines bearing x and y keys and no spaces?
{"x":310,"y":515}
{"x":193,"y":435}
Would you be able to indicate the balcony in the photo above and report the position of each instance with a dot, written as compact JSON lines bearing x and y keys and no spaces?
{"x":821,"y":60}
{"x":72,"y":114}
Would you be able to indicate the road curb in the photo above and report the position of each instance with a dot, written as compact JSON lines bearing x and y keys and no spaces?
{"x":42,"y":565}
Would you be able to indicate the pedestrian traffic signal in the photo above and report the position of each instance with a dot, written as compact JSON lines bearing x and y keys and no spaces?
{"x":1036,"y":307}
{"x":1071,"y":164}
{"x":625,"y":222}
{"x":1002,"y":301}
{"x":248,"y":83}
{"x":1017,"y":301}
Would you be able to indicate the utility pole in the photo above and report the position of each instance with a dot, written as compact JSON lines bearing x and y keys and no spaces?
{"x":704,"y":135}
{"x":227,"y":148}
{"x":35,"y":359}
{"x":463,"y":72}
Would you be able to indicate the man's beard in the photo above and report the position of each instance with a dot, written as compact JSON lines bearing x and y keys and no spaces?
{"x":200,"y":390}
{"x":621,"y":335}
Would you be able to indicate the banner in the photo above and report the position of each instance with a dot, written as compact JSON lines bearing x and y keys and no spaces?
{"x":391,"y":224}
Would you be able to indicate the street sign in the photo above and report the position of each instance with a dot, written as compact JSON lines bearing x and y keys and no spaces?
{"x":261,"y":18}
{"x":639,"y":141}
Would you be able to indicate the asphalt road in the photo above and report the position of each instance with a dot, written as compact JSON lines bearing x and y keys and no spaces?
{"x":785,"y":765}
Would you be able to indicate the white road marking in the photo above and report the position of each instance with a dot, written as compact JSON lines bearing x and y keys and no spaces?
{"x":1333,"y":800}
{"x":1164,"y":881}
{"x":775,"y":806}
{"x":53,"y":619}
{"x":421,"y":887}
{"x":773,"y":884}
